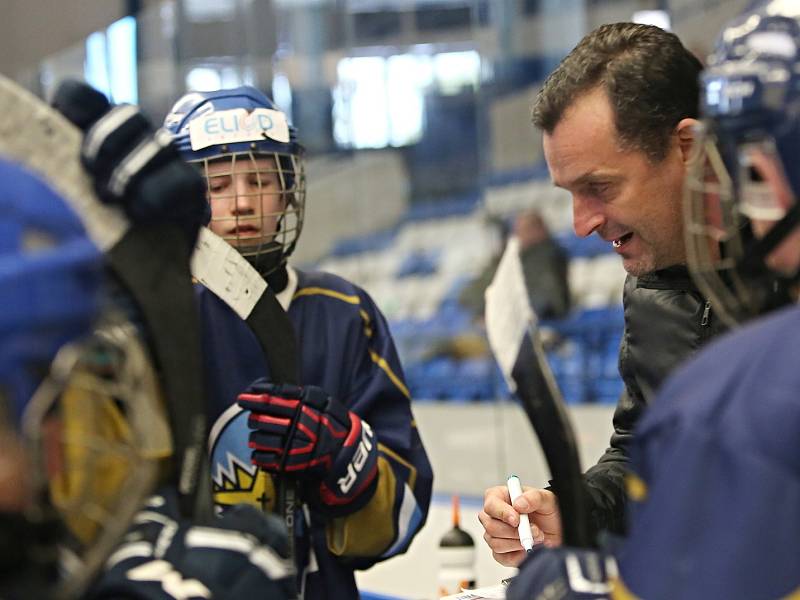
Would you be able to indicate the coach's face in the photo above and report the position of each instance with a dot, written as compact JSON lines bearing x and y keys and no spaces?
{"x":618,"y":193}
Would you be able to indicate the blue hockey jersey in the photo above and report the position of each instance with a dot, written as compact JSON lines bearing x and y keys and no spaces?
{"x":348,"y":351}
{"x":715,"y":509}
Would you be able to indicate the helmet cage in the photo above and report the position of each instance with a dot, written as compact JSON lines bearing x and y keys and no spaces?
{"x":257,"y":202}
{"x":97,"y":434}
{"x":722,"y":207}
{"x":242,"y":125}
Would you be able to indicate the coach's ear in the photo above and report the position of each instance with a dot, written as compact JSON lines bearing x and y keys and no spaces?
{"x":685,"y":131}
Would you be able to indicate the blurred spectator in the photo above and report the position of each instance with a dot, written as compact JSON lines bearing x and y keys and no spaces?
{"x":544,"y":264}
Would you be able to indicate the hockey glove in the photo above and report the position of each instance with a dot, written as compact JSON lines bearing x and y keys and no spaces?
{"x":564,"y":574}
{"x":304,"y":432}
{"x":134,"y":165}
{"x":243,"y":554}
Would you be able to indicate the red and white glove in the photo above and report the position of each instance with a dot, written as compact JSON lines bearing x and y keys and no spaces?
{"x":304,"y":432}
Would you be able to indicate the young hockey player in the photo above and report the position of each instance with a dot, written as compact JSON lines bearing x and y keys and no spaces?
{"x":347,"y":433}
{"x":83,"y":425}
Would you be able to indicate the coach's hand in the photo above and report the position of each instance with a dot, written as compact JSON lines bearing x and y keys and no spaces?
{"x":302,"y":431}
{"x":500,"y":521}
{"x":134,"y":165}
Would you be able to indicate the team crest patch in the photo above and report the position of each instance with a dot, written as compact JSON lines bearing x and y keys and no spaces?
{"x":234,"y":479}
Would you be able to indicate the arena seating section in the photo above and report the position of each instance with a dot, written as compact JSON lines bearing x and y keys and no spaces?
{"x":416,"y":270}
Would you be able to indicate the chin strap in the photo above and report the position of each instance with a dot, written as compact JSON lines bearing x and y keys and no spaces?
{"x":278,"y":279}
{"x":766,"y":289}
{"x":269,"y":261}
{"x":28,"y":554}
{"x":760,"y":249}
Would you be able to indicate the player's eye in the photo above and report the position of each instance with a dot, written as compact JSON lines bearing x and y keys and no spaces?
{"x":218,"y":184}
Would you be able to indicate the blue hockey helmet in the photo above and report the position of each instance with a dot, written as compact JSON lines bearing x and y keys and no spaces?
{"x":83,"y":430}
{"x":80,"y":404}
{"x":743,"y":182}
{"x":253,"y":166}
{"x":50,"y":277}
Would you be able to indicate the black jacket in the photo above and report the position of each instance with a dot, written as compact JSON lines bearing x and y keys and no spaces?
{"x":666,"y":320}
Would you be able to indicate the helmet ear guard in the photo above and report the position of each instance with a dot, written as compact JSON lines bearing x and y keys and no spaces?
{"x":50,"y":281}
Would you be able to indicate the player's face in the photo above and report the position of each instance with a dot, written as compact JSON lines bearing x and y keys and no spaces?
{"x":86,"y":451}
{"x":618,"y":194}
{"x":15,"y":493}
{"x":16,"y":466}
{"x":17,"y":482}
{"x":246,"y":199}
{"x":765,"y":198}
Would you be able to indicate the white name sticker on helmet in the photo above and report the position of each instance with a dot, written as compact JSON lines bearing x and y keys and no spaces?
{"x":237,"y":125}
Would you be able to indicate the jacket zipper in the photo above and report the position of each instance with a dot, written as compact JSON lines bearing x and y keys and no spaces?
{"x":706,"y":313}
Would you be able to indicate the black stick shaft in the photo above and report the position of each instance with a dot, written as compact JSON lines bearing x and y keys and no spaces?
{"x":276,"y":335}
{"x":544,"y":406}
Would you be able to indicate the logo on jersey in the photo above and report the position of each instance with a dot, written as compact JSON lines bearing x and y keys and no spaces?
{"x":235,"y":480}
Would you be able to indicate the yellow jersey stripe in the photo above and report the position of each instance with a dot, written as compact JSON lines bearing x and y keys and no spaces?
{"x":619,"y":591}
{"x":412,"y":470}
{"x":377,"y":359}
{"x":381,"y":362}
{"x":318,"y":291}
{"x":367,"y":323}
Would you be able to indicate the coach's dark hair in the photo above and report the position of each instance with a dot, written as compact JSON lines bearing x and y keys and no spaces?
{"x":651,"y":80}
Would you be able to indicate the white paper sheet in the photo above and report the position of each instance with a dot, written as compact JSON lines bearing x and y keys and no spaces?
{"x":492,"y":592}
{"x":508,"y":311}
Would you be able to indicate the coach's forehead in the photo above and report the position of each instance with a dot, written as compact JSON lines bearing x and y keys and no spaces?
{"x":583,"y":141}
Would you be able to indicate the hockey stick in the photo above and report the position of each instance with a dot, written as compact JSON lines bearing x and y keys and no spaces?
{"x":150,"y":261}
{"x":219,"y":267}
{"x":511,"y":328}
